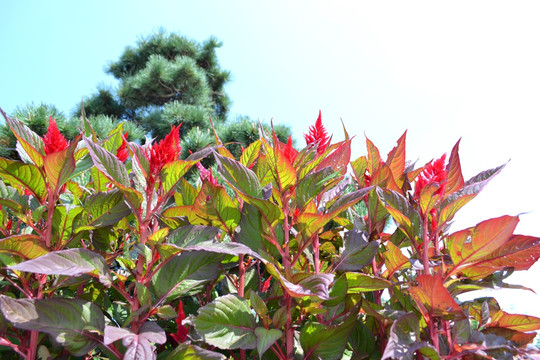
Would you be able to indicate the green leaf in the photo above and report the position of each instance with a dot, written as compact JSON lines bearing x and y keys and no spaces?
{"x":304,"y":284}
{"x":394,"y":260}
{"x":74,"y":324}
{"x":250,"y":232}
{"x":401,"y":211}
{"x":107,"y":163}
{"x":282,"y":170}
{"x":173,"y":172}
{"x":266,"y":338}
{"x":313,"y":184}
{"x":358,"y":282}
{"x":228,"y":323}
{"x":25,"y":246}
{"x":239,"y":177}
{"x":258,"y":304}
{"x":29,"y":140}
{"x":193,"y":352}
{"x":26,"y":175}
{"x":59,"y":166}
{"x":356,"y":253}
{"x":105,"y":208}
{"x":185,"y":274}
{"x":191,"y":235}
{"x":214,"y":205}
{"x":71,"y":262}
{"x":251,"y":153}
{"x":321,"y":341}
{"x":63,"y":221}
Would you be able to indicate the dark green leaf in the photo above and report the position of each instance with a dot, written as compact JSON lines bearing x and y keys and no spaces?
{"x":266,"y":338}
{"x":328,"y":342}
{"x":108,"y":163}
{"x":239,"y":176}
{"x":193,"y":352}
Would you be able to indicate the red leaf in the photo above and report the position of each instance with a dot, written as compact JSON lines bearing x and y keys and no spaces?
{"x":454,"y":181}
{"x":433,"y":299}
{"x":374,"y":158}
{"x":467,"y":247}
{"x":514,"y":321}
{"x":396,"y":160}
{"x":394,"y":260}
{"x":519,"y":252}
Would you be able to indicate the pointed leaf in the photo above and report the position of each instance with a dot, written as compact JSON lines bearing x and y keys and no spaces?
{"x":191,"y":235}
{"x":338,"y":159}
{"x":108,"y":163}
{"x":72,"y":323}
{"x":25,"y":246}
{"x":214,"y":205}
{"x":266,"y":338}
{"x":514,"y":321}
{"x":228,"y":248}
{"x":71,"y":262}
{"x":396,"y":160}
{"x":228,"y":323}
{"x":29,"y":140}
{"x":394,"y":259}
{"x":454,"y":178}
{"x":359,"y":282}
{"x":26,"y":175}
{"x":185,"y":274}
{"x":374,"y":157}
{"x":433,"y":299}
{"x":173,"y":172}
{"x":193,"y":352}
{"x":251,"y":153}
{"x":401,"y":211}
{"x":357,"y":252}
{"x":321,"y":341}
{"x":317,"y":285}
{"x":239,"y":177}
{"x":519,"y":252}
{"x":106,"y":208}
{"x":59,"y":166}
{"x":468,"y":246}
{"x":63,"y":220}
{"x":283,"y":172}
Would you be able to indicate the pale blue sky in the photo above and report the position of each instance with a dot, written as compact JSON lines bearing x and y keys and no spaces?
{"x":443,"y":71}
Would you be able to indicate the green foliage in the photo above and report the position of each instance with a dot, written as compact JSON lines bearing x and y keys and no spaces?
{"x":104,"y":256}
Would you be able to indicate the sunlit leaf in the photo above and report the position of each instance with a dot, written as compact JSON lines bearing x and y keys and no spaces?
{"x":72,"y":323}
{"x":282,"y":170}
{"x":239,"y":176}
{"x":26,"y":175}
{"x":108,"y":163}
{"x":359,"y":282}
{"x":396,"y":160}
{"x":338,"y":159}
{"x":394,"y":260}
{"x":519,"y":252}
{"x":433,"y":299}
{"x":105,"y":208}
{"x":321,"y":341}
{"x":454,"y":178}
{"x":59,"y":166}
{"x":173,"y":172}
{"x":228,"y":323}
{"x":251,"y":153}
{"x":468,"y":246}
{"x":71,"y":262}
{"x":317,"y":285}
{"x":29,"y":140}
{"x":64,"y":218}
{"x":401,"y":211}
{"x":25,"y":246}
{"x":514,"y":321}
{"x":193,"y":352}
{"x":214,"y":205}
{"x":191,"y":235}
{"x":356,"y":253}
{"x":374,"y":157}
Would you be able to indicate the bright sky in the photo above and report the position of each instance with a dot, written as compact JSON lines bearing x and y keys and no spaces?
{"x":441,"y":70}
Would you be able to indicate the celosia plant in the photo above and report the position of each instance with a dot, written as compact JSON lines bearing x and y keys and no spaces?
{"x":108,"y":251}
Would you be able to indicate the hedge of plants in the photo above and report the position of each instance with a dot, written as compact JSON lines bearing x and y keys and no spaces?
{"x":113,"y":250}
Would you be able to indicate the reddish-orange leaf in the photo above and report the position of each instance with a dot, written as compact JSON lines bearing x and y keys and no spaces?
{"x":394,"y":260}
{"x":383,"y":177}
{"x":515,"y":321}
{"x":454,"y":180}
{"x":338,"y":159}
{"x":520,"y":253}
{"x":466,"y":247}
{"x":433,"y":299}
{"x":518,"y":337}
{"x":396,"y":160}
{"x":359,"y":167}
{"x":374,"y":157}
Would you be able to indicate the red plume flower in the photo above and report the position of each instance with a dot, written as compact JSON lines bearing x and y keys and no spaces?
{"x":289,"y":152}
{"x":165,"y":151}
{"x":54,"y":140}
{"x":122,"y":153}
{"x":182,"y":331}
{"x":318,"y":136}
{"x":433,"y":173}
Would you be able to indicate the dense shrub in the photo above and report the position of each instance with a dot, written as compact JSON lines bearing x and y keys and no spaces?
{"x":108,"y":251}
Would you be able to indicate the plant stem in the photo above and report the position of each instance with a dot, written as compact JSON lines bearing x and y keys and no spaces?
{"x":241,"y":283}
{"x":316,"y":254}
{"x":425,"y":242}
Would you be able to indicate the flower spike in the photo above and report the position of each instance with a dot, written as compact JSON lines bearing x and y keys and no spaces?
{"x":165,"y":151}
{"x":54,"y":140}
{"x":318,"y":136}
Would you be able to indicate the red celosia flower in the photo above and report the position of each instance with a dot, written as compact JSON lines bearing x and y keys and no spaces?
{"x":318,"y":136}
{"x":205,"y":174}
{"x":54,"y":140}
{"x":266,"y":284}
{"x":165,"y":151}
{"x":290,"y":152}
{"x":122,"y":153}
{"x":181,"y":330}
{"x":433,"y":173}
